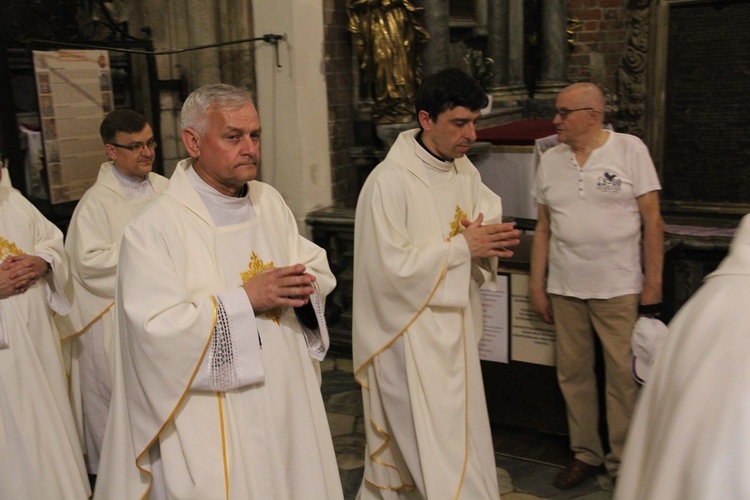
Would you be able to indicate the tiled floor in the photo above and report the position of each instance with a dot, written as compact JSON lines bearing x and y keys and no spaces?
{"x":518,"y":478}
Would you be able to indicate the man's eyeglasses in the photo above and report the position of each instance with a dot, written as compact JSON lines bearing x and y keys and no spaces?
{"x":565,"y":113}
{"x":137,"y":147}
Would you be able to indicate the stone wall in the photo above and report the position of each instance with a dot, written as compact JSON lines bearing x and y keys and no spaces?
{"x":339,"y":78}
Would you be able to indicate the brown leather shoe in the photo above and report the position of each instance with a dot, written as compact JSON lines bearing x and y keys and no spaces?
{"x":575,"y":474}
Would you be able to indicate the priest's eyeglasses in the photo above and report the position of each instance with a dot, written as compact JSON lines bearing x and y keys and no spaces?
{"x":137,"y":147}
{"x":565,"y":113}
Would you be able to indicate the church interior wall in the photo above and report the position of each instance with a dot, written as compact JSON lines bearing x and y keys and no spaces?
{"x":598,"y":30}
{"x":311,"y":105}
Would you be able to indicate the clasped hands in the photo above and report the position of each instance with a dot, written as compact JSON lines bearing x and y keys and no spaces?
{"x":490,"y":240}
{"x":288,"y":286}
{"x":291,"y":286}
{"x":19,"y":272}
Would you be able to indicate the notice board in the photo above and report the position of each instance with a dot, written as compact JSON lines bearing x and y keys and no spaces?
{"x":74,"y":89}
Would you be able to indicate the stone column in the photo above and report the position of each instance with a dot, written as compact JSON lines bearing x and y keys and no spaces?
{"x":554,"y":68}
{"x":239,"y":28}
{"x":515,"y":46}
{"x":480,"y":17}
{"x":497,"y":39}
{"x":202,"y":31}
{"x":435,"y":53}
{"x":505,"y":47}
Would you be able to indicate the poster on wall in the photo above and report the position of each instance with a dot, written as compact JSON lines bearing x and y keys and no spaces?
{"x":532,"y":340}
{"x":494,"y":343}
{"x":74,"y":88}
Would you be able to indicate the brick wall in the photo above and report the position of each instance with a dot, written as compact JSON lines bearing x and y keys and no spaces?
{"x":600,"y":41}
{"x":339,"y":77}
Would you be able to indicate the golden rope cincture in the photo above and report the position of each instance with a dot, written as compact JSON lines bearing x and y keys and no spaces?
{"x":223,"y":445}
{"x":255,"y":266}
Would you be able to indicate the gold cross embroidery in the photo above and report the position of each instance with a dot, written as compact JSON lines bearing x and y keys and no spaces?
{"x":255,"y":266}
{"x":8,"y":249}
{"x":456,"y":226}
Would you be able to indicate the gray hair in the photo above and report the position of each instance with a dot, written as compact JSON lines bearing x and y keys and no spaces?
{"x":216,"y":95}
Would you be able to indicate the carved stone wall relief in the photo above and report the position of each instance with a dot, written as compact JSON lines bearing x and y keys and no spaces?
{"x":632,"y":75}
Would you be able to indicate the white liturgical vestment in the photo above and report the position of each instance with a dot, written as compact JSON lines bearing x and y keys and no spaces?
{"x":417,"y":320}
{"x":40,"y":453}
{"x":93,"y":246}
{"x":690,"y":435}
{"x":266,"y":438}
{"x":93,"y":241}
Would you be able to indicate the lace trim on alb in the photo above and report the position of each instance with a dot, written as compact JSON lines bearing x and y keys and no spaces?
{"x":317,"y":339}
{"x":222,"y":373}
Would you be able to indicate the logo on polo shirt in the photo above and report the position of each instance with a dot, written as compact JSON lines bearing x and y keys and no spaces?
{"x":609,"y":183}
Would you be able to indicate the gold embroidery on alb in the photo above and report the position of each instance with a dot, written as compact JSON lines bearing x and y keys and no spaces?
{"x":456,"y":226}
{"x":8,"y":249}
{"x":255,"y":266}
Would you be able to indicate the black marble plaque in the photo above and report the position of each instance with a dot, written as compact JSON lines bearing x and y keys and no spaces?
{"x":707,"y":104}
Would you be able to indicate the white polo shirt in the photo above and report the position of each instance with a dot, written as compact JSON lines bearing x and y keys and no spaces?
{"x":594,"y":249}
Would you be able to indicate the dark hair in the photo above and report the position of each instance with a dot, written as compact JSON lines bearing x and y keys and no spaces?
{"x":121,"y":120}
{"x":448,"y":89}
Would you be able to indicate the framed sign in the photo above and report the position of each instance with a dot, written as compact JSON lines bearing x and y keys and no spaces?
{"x":74,"y":88}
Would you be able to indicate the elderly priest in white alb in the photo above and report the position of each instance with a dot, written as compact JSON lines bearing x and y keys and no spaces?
{"x":217,"y":383}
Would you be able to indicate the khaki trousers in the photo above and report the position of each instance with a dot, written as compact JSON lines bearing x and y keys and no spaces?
{"x":576,"y":322}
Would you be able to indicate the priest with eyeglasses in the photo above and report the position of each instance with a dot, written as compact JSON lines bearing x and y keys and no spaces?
{"x":125,"y":184}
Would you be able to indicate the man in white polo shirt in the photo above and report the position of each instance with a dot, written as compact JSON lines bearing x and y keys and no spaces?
{"x":595,"y":190}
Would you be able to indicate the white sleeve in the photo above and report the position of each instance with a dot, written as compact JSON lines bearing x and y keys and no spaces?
{"x":233,"y":359}
{"x":53,"y":289}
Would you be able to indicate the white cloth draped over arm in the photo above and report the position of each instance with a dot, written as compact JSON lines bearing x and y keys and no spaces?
{"x":92,"y":250}
{"x":411,"y":269}
{"x":54,"y":287}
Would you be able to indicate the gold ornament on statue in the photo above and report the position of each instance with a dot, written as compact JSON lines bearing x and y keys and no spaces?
{"x":388,"y":37}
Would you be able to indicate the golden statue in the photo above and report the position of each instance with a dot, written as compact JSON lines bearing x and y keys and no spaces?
{"x":388,"y":37}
